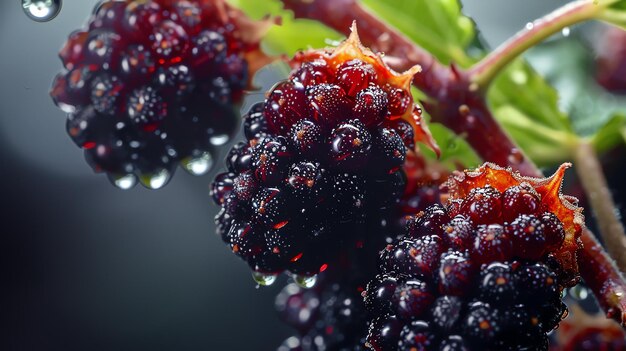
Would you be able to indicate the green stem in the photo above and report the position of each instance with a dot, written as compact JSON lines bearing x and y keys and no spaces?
{"x":488,"y":68}
{"x":593,"y":181}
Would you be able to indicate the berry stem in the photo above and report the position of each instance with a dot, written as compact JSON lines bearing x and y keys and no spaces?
{"x":603,"y":278}
{"x":483,"y":72}
{"x":593,"y":181}
{"x":460,"y":105}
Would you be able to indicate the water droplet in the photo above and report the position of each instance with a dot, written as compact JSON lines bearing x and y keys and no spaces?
{"x":530,"y":25}
{"x":122,"y":181}
{"x":579,"y":292}
{"x":218,"y":140}
{"x":41,"y":10}
{"x":566,"y":31}
{"x":198,"y":165}
{"x":264,"y":279}
{"x":155,"y":180}
{"x":304,"y":281}
{"x":516,"y":157}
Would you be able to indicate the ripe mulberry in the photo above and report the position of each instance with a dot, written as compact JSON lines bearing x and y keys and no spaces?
{"x":150,"y":84}
{"x":483,"y":273}
{"x":323,"y":161}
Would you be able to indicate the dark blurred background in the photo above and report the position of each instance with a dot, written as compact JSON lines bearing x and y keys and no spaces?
{"x":86,"y":266}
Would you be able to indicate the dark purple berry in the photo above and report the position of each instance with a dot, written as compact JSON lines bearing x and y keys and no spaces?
{"x":354,"y":76}
{"x":498,"y":284}
{"x":307,"y":138}
{"x":371,"y":105}
{"x":254,"y":123}
{"x":286,"y":104}
{"x":384,"y":333}
{"x":528,"y":235}
{"x":414,"y":298}
{"x":521,"y":199}
{"x":244,"y":186}
{"x":312,"y":73}
{"x":456,"y":273}
{"x":491,"y":244}
{"x":459,"y":233}
{"x":270,"y":159}
{"x":446,"y":312}
{"x":417,"y":336}
{"x":269,"y":208}
{"x":350,"y":145}
{"x":483,"y":205}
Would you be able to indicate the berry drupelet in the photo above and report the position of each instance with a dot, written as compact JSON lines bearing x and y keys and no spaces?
{"x":150,"y":84}
{"x":323,"y":158}
{"x":484,"y":272}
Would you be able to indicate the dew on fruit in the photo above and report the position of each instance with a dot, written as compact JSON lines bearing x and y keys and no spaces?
{"x":123,"y":181}
{"x":306,"y":282}
{"x":578,"y":292}
{"x":218,"y":140}
{"x":530,"y":25}
{"x":264,"y":279}
{"x":155,"y":180}
{"x":41,"y":10}
{"x":198,"y":165}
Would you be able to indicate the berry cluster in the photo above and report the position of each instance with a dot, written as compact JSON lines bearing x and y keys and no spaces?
{"x":148,"y":84}
{"x":329,"y":318}
{"x":323,"y":156}
{"x":484,"y":273}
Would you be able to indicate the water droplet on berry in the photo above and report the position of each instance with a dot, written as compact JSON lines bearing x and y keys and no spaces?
{"x":123,"y":181}
{"x":579,"y":292}
{"x":155,"y":180}
{"x":219,"y":139}
{"x":264,"y":279}
{"x":304,"y":281}
{"x":41,"y":10}
{"x":198,"y":165}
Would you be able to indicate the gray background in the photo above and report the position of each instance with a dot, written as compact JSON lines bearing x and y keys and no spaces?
{"x":90,"y":267}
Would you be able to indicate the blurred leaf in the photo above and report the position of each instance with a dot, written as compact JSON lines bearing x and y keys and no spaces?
{"x":522,"y":87}
{"x":436,"y":25}
{"x":615,"y":14}
{"x":569,"y":65}
{"x":611,"y":134}
{"x":455,"y":150}
{"x":293,"y":34}
{"x":544,"y":145}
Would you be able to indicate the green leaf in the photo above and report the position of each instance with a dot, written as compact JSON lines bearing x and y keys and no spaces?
{"x":436,"y":25}
{"x":544,"y":145}
{"x":522,"y":87}
{"x":455,"y":150}
{"x":611,"y":134}
{"x":293,"y":34}
{"x":595,"y":113}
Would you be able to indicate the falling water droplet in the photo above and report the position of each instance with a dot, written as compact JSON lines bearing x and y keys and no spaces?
{"x":198,"y":165}
{"x":41,"y":10}
{"x":219,"y":139}
{"x":264,"y":279}
{"x":123,"y":181}
{"x":566,"y":31}
{"x":155,"y":180}
{"x":579,"y":292}
{"x":304,"y":281}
